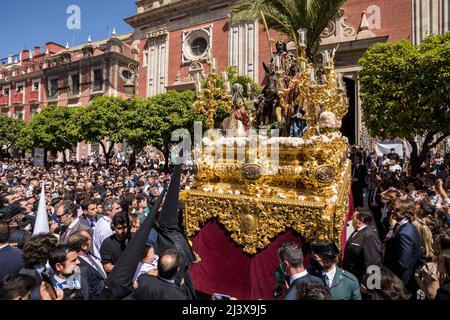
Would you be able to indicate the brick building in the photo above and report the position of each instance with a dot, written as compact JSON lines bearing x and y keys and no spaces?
{"x":175,"y":41}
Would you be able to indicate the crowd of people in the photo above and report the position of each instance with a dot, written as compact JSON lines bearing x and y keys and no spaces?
{"x":116,"y":233}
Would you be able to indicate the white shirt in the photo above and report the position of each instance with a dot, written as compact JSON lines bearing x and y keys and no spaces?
{"x":330,"y":274}
{"x":297,"y":275}
{"x":395,"y":168}
{"x":102,"y":231}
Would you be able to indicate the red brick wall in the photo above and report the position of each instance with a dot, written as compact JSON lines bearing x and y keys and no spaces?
{"x":142,"y":78}
{"x":396,"y":16}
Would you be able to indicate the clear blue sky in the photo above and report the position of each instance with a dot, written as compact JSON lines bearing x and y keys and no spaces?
{"x":27,"y":23}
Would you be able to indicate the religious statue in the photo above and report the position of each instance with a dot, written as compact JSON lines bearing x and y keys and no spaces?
{"x":239,"y":121}
{"x":297,"y":124}
{"x":282,"y":60}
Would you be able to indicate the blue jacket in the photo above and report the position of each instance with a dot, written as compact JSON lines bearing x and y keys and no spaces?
{"x":292,"y":292}
{"x":10,"y":261}
{"x":402,"y":252}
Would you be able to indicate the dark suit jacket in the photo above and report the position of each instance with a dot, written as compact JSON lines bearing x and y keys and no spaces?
{"x":10,"y":261}
{"x":81,"y":225}
{"x":35,"y":293}
{"x":92,"y":281}
{"x":155,"y":288}
{"x":85,"y":220}
{"x":362,"y":251}
{"x":402,"y":252}
{"x":359,"y":174}
{"x":292,"y":292}
{"x":375,"y":209}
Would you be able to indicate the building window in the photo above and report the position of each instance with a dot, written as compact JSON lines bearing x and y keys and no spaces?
{"x":19,"y":88}
{"x":34,"y":110}
{"x":53,"y":88}
{"x":98,"y":80}
{"x":75,"y":87}
{"x":35,"y":86}
{"x":196,"y":44}
{"x":6,"y":91}
{"x":5,"y":111}
{"x":199,"y":46}
{"x":145,"y":62}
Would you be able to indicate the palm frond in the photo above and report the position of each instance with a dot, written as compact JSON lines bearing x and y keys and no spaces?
{"x":287,"y":16}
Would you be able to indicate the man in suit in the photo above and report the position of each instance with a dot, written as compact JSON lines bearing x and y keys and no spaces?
{"x":403,"y":248}
{"x":93,"y":275}
{"x":343,"y":284}
{"x":290,"y":256}
{"x":375,"y":203}
{"x":89,"y":216}
{"x":393,"y":156}
{"x":358,"y":181}
{"x":363,"y":248}
{"x":10,"y":257}
{"x":63,"y":259}
{"x":163,"y":286}
{"x":67,"y":213}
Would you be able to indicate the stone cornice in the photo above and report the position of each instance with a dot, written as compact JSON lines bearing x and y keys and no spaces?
{"x":175,"y":10}
{"x":87,"y":61}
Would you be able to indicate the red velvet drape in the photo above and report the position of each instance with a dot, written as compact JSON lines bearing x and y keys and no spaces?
{"x":226,"y":269}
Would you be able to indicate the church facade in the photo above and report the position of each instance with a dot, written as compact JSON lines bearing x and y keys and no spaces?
{"x":174,"y":43}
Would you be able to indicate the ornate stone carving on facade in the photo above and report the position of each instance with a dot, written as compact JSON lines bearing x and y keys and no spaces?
{"x":196,"y":44}
{"x":195,"y":72}
{"x":338,"y":30}
{"x":157,"y":33}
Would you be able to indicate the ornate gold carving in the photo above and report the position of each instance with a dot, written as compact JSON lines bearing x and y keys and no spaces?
{"x":251,"y":171}
{"x":325,"y":174}
{"x":253,"y":222}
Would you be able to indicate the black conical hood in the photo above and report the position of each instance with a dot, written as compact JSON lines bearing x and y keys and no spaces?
{"x":119,"y":283}
{"x":168,"y":217}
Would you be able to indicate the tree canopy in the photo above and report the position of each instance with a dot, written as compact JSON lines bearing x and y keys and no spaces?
{"x":54,"y":128}
{"x":404,"y":92}
{"x":10,"y":131}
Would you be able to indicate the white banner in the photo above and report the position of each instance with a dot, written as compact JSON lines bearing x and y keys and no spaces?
{"x":385,"y":148}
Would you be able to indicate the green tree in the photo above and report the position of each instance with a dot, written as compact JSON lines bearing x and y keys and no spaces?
{"x":139,"y":126}
{"x":288,"y":16}
{"x":54,"y":129}
{"x":172,"y":111}
{"x":404,"y":93}
{"x":25,"y":141}
{"x":10,"y":132}
{"x":101,"y":121}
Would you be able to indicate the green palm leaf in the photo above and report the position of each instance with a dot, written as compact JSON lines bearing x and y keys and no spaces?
{"x":287,"y":16}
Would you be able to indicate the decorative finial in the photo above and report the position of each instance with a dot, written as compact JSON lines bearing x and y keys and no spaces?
{"x":47,"y":52}
{"x":89,"y":40}
{"x":67,"y":46}
{"x":114,"y":32}
{"x":364,"y":22}
{"x":302,"y":36}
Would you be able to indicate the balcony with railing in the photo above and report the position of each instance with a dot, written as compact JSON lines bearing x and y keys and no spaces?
{"x":4,"y":100}
{"x":17,"y":98}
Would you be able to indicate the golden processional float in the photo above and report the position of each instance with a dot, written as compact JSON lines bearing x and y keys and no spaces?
{"x":258,"y":186}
